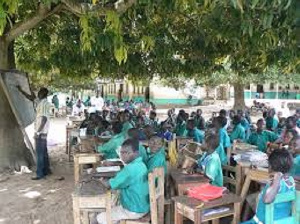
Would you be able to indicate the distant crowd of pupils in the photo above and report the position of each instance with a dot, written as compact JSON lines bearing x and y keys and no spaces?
{"x":277,"y":136}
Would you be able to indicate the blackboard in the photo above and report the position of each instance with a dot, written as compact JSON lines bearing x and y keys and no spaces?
{"x":22,"y":107}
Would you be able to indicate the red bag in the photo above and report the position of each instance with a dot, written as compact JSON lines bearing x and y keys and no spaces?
{"x":206,"y":192}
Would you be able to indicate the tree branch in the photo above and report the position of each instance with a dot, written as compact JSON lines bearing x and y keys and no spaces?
{"x":42,"y":13}
{"x":120,"y":6}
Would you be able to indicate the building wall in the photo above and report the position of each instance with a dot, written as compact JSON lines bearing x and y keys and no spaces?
{"x":273,"y":91}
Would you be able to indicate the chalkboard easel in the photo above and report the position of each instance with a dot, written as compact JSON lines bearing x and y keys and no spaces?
{"x":22,"y":108}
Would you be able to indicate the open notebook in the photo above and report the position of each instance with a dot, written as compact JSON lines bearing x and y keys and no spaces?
{"x":106,"y":169}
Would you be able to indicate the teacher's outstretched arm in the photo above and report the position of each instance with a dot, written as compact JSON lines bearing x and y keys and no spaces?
{"x":30,"y":96}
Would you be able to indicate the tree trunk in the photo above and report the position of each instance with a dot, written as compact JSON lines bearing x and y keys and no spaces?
{"x":147,"y":94}
{"x":239,"y":98}
{"x":13,"y":152}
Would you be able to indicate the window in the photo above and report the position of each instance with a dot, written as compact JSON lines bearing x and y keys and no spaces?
{"x":260,"y":88}
{"x":288,"y":86}
{"x":248,"y":87}
{"x":271,"y":86}
{"x":296,"y":87}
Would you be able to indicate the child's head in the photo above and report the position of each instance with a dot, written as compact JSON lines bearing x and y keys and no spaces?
{"x":149,"y":131}
{"x":199,"y":112}
{"x":105,"y":113}
{"x":152,"y":115}
{"x":260,"y":125}
{"x":298,"y":113}
{"x":166,"y":126}
{"x":231,"y":114}
{"x":190,"y":125}
{"x":219,"y":122}
{"x":129,"y":150}
{"x":271,"y":113}
{"x":193,"y":114}
{"x":294,"y":145}
{"x":280,"y":160}
{"x":223,"y":113}
{"x":140,"y":121}
{"x":117,"y":127}
{"x":211,"y":141}
{"x":180,"y":119}
{"x":133,"y":133}
{"x":237,"y":119}
{"x":291,"y":122}
{"x":155,"y":144}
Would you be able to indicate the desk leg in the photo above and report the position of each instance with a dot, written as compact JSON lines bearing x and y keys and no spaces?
{"x":76,"y":169}
{"x":197,"y":217}
{"x":215,"y":221}
{"x":67,"y":141}
{"x":76,"y":210}
{"x":178,"y":216}
{"x":237,"y":213}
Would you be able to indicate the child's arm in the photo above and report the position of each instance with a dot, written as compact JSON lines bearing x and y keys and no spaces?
{"x":273,"y":189}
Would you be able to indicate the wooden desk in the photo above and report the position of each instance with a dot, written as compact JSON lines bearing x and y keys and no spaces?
{"x":84,"y":158}
{"x":182,"y":141}
{"x":69,"y":129}
{"x":183,"y":181}
{"x":75,"y":120}
{"x":193,"y":208}
{"x":91,"y":196}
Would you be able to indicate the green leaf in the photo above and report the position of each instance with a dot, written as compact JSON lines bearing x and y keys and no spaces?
{"x":254,"y":3}
{"x":3,"y":20}
{"x":120,"y":54}
{"x":147,"y":43}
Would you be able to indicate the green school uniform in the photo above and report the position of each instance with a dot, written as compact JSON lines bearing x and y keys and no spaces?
{"x":211,"y":165}
{"x":224,"y":138}
{"x":261,"y":139}
{"x":157,"y":160}
{"x":271,"y":123}
{"x":180,"y":129}
{"x":238,"y":133}
{"x":298,"y":122}
{"x":132,"y":181}
{"x":126,"y":126}
{"x":143,"y":153}
{"x":221,"y":152}
{"x":196,"y":134}
{"x":296,"y":166}
{"x":109,"y":148}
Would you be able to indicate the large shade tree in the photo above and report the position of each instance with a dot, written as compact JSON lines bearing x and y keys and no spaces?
{"x":218,"y":41}
{"x":172,"y":38}
{"x":18,"y":18}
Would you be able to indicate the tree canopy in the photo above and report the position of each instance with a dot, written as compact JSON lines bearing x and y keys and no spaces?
{"x":211,"y":41}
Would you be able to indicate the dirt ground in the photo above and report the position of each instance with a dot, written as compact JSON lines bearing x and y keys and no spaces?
{"x":54,"y":204}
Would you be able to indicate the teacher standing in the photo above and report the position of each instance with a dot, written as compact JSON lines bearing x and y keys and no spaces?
{"x":41,"y":127}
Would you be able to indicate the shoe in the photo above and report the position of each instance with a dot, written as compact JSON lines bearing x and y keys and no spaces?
{"x":48,"y":173}
{"x":36,"y":178}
